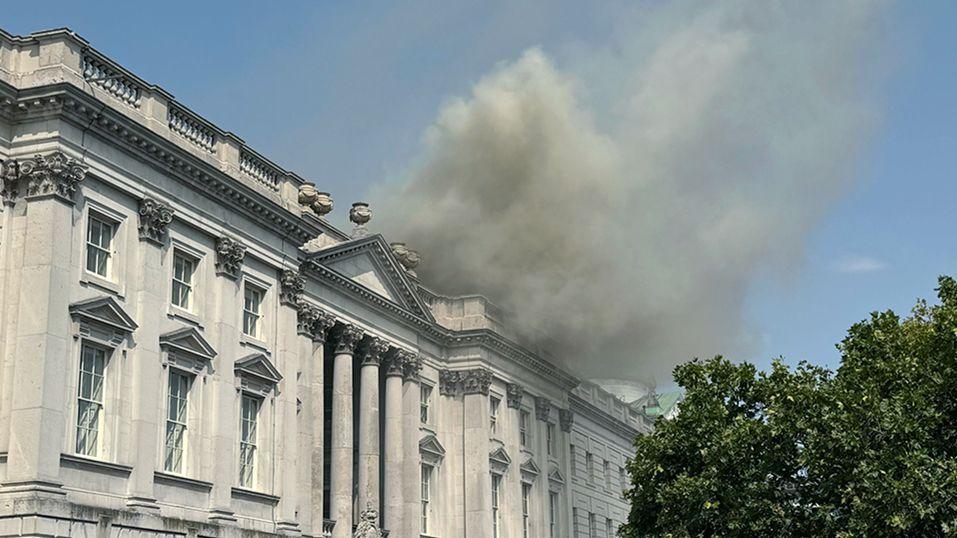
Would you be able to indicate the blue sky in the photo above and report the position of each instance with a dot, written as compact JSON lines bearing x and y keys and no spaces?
{"x":341,"y":92}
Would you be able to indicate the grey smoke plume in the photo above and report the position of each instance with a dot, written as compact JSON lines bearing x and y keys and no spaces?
{"x":619,"y":206}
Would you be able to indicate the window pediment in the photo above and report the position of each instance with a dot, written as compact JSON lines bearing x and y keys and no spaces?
{"x":530,"y":470}
{"x":556,"y":481}
{"x":187,"y":341}
{"x":257,"y":374}
{"x":499,"y":460}
{"x":103,"y":319}
{"x":431,"y":451}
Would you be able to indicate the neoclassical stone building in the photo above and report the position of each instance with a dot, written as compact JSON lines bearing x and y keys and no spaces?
{"x":188,"y":348}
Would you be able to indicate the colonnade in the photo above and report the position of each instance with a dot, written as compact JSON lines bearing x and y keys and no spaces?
{"x":346,"y":442}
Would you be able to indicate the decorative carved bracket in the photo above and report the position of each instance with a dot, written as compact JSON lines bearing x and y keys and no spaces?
{"x":229,"y":257}
{"x":515,"y":393}
{"x":543,"y":408}
{"x":291,"y":286}
{"x":565,"y":419}
{"x":155,"y":217}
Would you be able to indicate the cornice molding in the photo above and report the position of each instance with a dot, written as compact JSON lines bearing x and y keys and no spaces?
{"x":590,"y":411}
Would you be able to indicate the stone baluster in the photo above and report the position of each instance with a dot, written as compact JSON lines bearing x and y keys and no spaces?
{"x":370,"y":354}
{"x":341,"y":443}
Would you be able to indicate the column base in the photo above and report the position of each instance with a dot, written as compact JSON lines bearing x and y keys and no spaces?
{"x":219,"y":515}
{"x":142,"y":503}
{"x":288,"y":528}
{"x":40,"y":487}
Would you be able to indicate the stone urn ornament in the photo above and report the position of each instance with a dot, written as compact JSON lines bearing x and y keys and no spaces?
{"x":360,"y":215}
{"x":318,"y":201}
{"x":400,"y":251}
{"x":411,"y":262}
{"x":368,"y":526}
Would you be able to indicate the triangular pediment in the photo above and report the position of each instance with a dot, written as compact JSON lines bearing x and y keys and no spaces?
{"x":431,"y":445}
{"x":259,"y":365}
{"x":530,"y":467}
{"x":105,"y":311}
{"x":188,"y":340}
{"x":556,"y":476}
{"x":369,"y":263}
{"x":499,"y":455}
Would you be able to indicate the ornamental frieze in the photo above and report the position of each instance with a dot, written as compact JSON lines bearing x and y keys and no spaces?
{"x":291,"y":286}
{"x":229,"y":257}
{"x":515,"y":393}
{"x":155,"y":217}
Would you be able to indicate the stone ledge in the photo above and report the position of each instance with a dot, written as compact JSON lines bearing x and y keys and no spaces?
{"x":95,"y":464}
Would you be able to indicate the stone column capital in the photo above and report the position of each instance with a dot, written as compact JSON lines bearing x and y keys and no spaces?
{"x":313,"y":321}
{"x":472,"y":381}
{"x":229,"y":257}
{"x":412,"y":368}
{"x":347,"y":337}
{"x":291,"y":286}
{"x":514,"y":393}
{"x":53,"y":174}
{"x":155,"y":218}
{"x":449,"y":381}
{"x":543,"y":408}
{"x":565,"y":419}
{"x":395,"y":361}
{"x":371,"y":349}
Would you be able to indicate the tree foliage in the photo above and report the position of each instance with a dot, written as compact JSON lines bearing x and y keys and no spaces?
{"x":870,"y":450}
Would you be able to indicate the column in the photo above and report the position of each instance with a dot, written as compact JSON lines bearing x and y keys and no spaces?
{"x":370,"y":353}
{"x":42,"y":335}
{"x":223,"y":389}
{"x":478,"y":481}
{"x":392,"y":442}
{"x":543,"y":414}
{"x":313,"y":326}
{"x":340,"y":483}
{"x":149,"y":300}
{"x":291,"y":285}
{"x":410,"y":447}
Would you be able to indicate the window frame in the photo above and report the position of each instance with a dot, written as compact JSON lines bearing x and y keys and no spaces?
{"x":496,"y":499}
{"x":251,"y":478}
{"x":425,"y":403}
{"x":553,"y":502}
{"x":526,"y":508}
{"x":524,"y":429}
{"x":258,"y":315}
{"x":183,"y":423}
{"x":550,"y":446}
{"x":190,"y":286}
{"x":96,"y":450}
{"x":427,"y":472}
{"x":590,"y":467}
{"x":494,"y":403}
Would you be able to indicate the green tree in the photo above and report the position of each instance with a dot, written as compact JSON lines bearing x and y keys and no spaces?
{"x":870,"y":450}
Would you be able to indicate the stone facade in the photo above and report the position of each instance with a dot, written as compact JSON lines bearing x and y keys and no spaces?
{"x":188,"y":348}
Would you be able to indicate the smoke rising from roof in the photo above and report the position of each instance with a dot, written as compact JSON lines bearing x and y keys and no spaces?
{"x":620,"y":204}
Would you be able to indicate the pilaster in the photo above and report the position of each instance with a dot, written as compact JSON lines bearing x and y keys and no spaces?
{"x":477,"y":480}
{"x":149,"y":301}
{"x":289,"y":357}
{"x":42,"y":357}
{"x":410,"y":447}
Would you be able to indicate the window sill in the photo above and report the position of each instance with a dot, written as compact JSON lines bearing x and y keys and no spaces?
{"x":175,"y":312}
{"x":180,"y":480}
{"x":255,"y":495}
{"x":104,"y":284}
{"x":254,"y":342}
{"x":96,"y":464}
